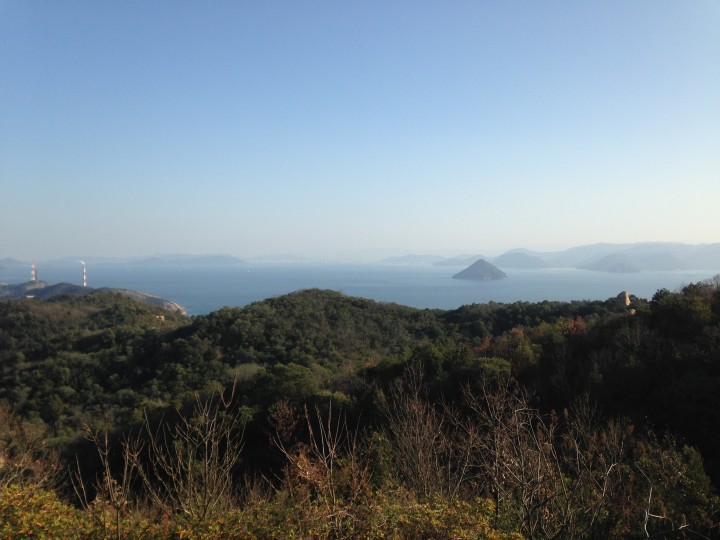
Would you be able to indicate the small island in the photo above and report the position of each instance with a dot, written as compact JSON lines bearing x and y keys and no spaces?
{"x":481,"y":270}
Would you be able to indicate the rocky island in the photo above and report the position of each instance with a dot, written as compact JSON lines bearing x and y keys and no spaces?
{"x":481,"y":270}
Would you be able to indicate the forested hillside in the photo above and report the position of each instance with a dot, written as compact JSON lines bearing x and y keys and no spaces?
{"x":320,"y":415}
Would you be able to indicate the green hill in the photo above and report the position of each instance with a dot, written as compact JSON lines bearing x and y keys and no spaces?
{"x":388,"y":384}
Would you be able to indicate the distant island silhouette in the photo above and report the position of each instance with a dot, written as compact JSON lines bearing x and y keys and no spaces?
{"x":481,"y":270}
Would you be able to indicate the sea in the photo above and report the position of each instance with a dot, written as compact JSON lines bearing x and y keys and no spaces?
{"x":205,"y":288}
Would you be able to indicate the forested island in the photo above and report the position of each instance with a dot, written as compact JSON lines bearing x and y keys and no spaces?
{"x":318,"y":415}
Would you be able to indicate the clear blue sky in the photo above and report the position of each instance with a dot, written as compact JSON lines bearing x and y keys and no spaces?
{"x":325,"y":128}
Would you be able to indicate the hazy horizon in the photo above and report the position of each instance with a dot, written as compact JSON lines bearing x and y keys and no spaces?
{"x":369,"y":256}
{"x":330,"y":129}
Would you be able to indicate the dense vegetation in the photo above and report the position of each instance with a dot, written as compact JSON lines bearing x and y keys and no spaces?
{"x":319,"y":415}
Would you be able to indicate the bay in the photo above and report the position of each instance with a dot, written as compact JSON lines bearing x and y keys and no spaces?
{"x":203,"y":288}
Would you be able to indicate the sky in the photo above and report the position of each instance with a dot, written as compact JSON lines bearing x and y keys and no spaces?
{"x":351,"y":129}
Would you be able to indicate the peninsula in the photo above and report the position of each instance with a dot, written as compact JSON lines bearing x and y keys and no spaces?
{"x":44,"y":291}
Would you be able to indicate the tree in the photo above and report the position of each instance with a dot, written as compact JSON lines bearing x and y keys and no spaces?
{"x":680,"y":315}
{"x":26,"y":459}
{"x":187,"y":468}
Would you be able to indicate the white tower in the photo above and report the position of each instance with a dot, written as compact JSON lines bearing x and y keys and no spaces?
{"x":33,"y":273}
{"x":84,"y":273}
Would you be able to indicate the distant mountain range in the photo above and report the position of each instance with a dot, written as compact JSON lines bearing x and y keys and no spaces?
{"x":637,"y":257}
{"x":460,"y":260}
{"x":9,"y":262}
{"x":650,"y":256}
{"x":213,"y":260}
{"x":414,"y":259}
{"x":166,"y":259}
{"x":520,"y":259}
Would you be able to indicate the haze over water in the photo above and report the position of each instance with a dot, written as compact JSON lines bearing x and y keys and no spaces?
{"x":201,"y":289}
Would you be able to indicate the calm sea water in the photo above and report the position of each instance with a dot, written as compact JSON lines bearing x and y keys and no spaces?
{"x":202,"y":289}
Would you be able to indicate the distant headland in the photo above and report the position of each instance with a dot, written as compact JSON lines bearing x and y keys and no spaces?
{"x":44,"y":291}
